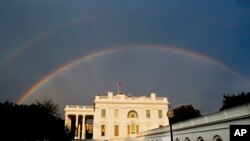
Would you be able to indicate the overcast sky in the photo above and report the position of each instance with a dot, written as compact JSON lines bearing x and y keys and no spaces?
{"x":191,"y":52}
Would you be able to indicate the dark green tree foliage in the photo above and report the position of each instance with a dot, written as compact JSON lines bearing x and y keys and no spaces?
{"x":185,"y":112}
{"x":230,"y":101}
{"x":32,"y":122}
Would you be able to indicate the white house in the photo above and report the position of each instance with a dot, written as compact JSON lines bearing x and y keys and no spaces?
{"x":117,"y":116}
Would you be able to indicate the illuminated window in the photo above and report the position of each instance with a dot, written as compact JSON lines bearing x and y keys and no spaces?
{"x":103,"y":113}
{"x":116,"y":113}
{"x":116,"y":130}
{"x":133,"y":129}
{"x":103,"y":130}
{"x":160,"y":113}
{"x":148,"y":113}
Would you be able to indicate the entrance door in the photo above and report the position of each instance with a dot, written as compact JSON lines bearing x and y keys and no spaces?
{"x":89,"y":126}
{"x":133,"y":129}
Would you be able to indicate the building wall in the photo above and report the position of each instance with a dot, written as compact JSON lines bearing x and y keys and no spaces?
{"x":213,"y":127}
{"x":127,"y":106}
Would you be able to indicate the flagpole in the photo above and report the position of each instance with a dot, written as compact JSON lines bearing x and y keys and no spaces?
{"x":118,"y":87}
{"x":119,"y":84}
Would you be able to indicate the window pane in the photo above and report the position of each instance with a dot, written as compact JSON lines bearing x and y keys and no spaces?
{"x":128,"y":129}
{"x":103,"y":130}
{"x":116,"y":130}
{"x":160,"y":113}
{"x":148,"y":113}
{"x":103,"y":113}
{"x":132,"y":129}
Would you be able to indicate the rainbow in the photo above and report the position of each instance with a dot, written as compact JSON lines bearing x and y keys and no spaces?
{"x":108,"y":51}
{"x":15,"y":54}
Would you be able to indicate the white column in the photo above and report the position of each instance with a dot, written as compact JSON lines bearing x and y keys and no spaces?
{"x":76,"y":129}
{"x":123,"y":119}
{"x":83,"y":127}
{"x":79,"y":131}
{"x":67,"y":121}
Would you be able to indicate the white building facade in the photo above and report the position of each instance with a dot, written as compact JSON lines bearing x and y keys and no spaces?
{"x":117,"y":116}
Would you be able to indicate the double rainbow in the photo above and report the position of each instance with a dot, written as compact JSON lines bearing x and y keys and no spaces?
{"x":108,"y":51}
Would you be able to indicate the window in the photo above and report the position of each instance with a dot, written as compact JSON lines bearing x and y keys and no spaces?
{"x":133,"y":129}
{"x":187,"y":139}
{"x":177,"y":139}
{"x":116,"y":130}
{"x":116,"y":113}
{"x":160,"y":113}
{"x":148,"y":113}
{"x":217,"y":138}
{"x":128,"y":129}
{"x":103,"y":130}
{"x":132,"y":114}
{"x":200,"y":139}
{"x":103,"y":113}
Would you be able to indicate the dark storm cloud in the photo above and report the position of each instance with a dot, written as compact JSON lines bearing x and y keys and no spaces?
{"x":55,"y":32}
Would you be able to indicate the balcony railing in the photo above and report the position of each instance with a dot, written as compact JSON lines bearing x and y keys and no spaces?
{"x":79,"y":107}
{"x":130,"y":98}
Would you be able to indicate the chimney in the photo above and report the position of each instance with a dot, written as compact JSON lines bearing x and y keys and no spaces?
{"x":153,"y":95}
{"x":110,"y":95}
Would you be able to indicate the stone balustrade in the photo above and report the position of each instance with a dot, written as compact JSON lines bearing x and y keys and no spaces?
{"x":79,"y":107}
{"x":142,"y":98}
{"x":212,"y":127}
{"x":229,"y":114}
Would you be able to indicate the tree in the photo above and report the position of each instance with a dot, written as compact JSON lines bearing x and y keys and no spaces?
{"x":50,"y":125}
{"x":230,"y":101}
{"x":49,"y":107}
{"x":38,"y":121}
{"x":185,"y":112}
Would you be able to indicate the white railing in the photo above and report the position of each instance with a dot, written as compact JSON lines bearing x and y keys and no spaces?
{"x":228,"y":114}
{"x":130,"y":98}
{"x":78,"y":107}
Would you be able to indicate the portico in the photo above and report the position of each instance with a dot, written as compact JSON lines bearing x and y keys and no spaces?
{"x":78,"y":119}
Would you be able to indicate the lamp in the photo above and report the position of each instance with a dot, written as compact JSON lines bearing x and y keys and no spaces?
{"x":170,"y":115}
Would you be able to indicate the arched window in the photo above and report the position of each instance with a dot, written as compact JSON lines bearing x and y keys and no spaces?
{"x":187,"y":139}
{"x":177,"y":139}
{"x":132,"y":114}
{"x":200,"y":139}
{"x":217,"y":138}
